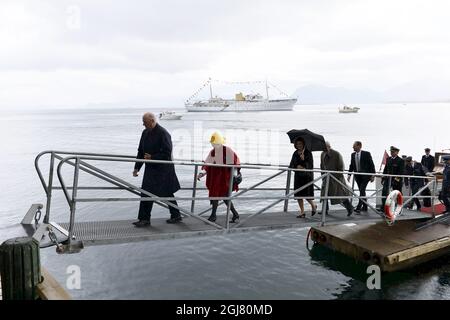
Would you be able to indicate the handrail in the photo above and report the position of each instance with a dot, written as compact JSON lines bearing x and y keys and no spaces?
{"x":78,"y":160}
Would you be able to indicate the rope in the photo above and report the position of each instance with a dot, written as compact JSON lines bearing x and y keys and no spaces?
{"x":307,"y":239}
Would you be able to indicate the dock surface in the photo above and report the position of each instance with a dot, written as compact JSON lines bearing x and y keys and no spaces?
{"x":391,"y":247}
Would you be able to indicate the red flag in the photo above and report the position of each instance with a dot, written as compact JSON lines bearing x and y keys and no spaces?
{"x":385,"y":157}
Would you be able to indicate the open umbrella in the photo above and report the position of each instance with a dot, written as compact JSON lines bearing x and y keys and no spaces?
{"x":313,"y":141}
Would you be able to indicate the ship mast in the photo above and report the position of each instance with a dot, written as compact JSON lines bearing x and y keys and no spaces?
{"x":210,"y":88}
{"x":267,"y":91}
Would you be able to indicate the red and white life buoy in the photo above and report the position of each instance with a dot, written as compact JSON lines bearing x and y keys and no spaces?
{"x":393,"y":206}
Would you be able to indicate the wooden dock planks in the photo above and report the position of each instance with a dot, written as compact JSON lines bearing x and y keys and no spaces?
{"x":391,"y":247}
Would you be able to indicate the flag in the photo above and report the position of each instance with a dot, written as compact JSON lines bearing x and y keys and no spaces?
{"x":385,"y":157}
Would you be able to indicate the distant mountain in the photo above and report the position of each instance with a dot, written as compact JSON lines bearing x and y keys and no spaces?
{"x":316,"y":94}
{"x":425,"y":90}
{"x":420,"y":91}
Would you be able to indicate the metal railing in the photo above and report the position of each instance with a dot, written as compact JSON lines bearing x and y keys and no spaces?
{"x":79,"y":161}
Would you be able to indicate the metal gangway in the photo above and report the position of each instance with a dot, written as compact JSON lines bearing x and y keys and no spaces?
{"x":72,"y":235}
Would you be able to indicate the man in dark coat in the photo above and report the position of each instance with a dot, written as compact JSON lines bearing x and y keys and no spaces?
{"x":159,"y":179}
{"x":361,"y":161}
{"x":414,"y":168}
{"x":445,"y":193}
{"x":428,"y":160}
{"x":394,"y":166}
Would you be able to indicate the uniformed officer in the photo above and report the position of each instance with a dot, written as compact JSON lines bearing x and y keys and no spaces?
{"x":395,"y":166}
{"x":445,"y":193}
{"x":428,"y":160}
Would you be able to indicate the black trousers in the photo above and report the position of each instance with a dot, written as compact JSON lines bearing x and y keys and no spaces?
{"x":414,"y":190}
{"x":396,"y":185}
{"x":215,"y":204}
{"x":445,"y":196}
{"x":145,"y":209}
{"x":362,"y":183}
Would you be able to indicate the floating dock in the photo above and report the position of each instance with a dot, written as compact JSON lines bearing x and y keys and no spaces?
{"x":392,"y":248}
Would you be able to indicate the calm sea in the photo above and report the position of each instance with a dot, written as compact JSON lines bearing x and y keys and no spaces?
{"x":254,"y":265}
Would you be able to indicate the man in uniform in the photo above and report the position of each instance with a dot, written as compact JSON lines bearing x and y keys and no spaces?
{"x":394,"y":166}
{"x":445,"y":193}
{"x":428,"y":160}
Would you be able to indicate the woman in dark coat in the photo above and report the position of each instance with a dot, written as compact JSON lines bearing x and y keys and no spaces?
{"x":302,"y":159}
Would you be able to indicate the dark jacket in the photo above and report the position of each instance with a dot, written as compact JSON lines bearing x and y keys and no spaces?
{"x":159,"y":179}
{"x":446,"y":178}
{"x":428,"y":162}
{"x":416,"y":170}
{"x":395,"y":167}
{"x":366,"y":164}
{"x":307,"y":163}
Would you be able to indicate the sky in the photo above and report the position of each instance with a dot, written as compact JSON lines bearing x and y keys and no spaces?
{"x":157,"y":53}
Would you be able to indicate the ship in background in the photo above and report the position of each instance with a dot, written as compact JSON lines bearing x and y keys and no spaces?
{"x":241,"y":102}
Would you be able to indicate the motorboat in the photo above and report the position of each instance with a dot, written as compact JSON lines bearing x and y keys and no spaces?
{"x":347,"y":109}
{"x":169,"y":115}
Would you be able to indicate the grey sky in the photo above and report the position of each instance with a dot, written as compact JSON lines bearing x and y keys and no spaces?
{"x":150,"y":53}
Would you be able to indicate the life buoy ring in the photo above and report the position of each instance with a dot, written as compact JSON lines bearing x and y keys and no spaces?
{"x":393,"y":206}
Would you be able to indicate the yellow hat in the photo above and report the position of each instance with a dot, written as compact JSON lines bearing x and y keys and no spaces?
{"x":217,"y":138}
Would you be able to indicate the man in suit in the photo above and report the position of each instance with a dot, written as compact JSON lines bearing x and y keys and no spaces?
{"x":428,"y":160}
{"x":361,"y":161}
{"x":159,"y":179}
{"x":394,"y":166}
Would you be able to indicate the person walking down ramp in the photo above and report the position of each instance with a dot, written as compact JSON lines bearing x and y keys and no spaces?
{"x":332,"y":160}
{"x":302,"y":158}
{"x":218,"y":178}
{"x":159,"y":179}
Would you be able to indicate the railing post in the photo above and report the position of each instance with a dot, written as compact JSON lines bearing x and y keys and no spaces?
{"x":325,"y":203}
{"x":433,"y":195}
{"x":230,"y":190}
{"x":74,"y":198}
{"x":288,"y":188}
{"x":49,"y":188}
{"x":194,"y":189}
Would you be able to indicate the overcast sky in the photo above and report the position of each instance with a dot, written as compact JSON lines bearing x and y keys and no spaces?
{"x":156,"y":53}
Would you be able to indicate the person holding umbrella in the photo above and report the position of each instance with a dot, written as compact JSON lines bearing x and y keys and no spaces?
{"x":302,"y":158}
{"x":304,"y":142}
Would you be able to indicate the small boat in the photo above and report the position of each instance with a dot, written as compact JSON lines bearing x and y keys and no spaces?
{"x":347,"y":109}
{"x":169,"y":115}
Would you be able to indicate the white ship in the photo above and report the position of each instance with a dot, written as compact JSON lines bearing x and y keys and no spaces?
{"x":240,"y":103}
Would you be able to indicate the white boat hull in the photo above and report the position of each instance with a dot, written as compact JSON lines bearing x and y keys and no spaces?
{"x":172,"y":117}
{"x":243,"y":106}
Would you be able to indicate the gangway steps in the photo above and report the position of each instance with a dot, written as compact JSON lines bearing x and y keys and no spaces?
{"x":123,"y":231}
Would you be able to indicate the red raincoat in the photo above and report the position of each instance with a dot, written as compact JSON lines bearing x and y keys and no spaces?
{"x":218,"y":179}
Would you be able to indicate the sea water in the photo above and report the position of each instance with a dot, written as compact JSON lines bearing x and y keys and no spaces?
{"x":251,"y":265}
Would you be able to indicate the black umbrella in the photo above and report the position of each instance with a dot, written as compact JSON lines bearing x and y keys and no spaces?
{"x":313,"y":141}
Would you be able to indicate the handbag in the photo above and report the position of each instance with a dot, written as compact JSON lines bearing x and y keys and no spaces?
{"x":237,"y":179}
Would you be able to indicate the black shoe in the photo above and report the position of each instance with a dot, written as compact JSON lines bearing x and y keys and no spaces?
{"x":174,"y":220}
{"x":212,"y":218}
{"x":234,"y":219}
{"x":142,"y":223}
{"x":357,"y":210}
{"x":350,"y":211}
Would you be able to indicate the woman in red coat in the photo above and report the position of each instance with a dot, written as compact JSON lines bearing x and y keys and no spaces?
{"x":218,"y":178}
